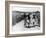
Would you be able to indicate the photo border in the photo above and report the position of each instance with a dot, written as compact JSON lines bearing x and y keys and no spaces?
{"x":7,"y":3}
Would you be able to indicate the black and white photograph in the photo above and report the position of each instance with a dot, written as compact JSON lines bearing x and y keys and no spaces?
{"x":26,"y":18}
